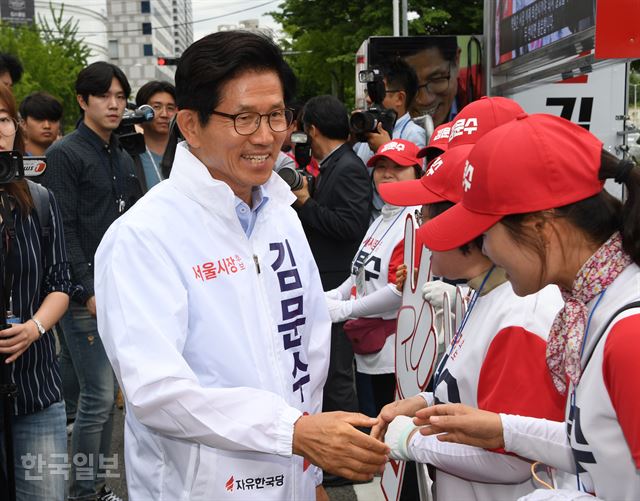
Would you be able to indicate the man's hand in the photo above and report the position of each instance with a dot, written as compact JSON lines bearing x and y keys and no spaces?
{"x":462,"y":424}
{"x":378,"y":138}
{"x":302,"y":194}
{"x":406,"y":407}
{"x":321,"y":494}
{"x":91,"y":305}
{"x":330,"y":441}
{"x":16,"y":339}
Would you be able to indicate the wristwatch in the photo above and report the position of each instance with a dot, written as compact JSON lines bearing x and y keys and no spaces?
{"x":39,"y":325}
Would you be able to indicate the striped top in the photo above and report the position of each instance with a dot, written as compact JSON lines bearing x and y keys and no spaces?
{"x":39,"y":267}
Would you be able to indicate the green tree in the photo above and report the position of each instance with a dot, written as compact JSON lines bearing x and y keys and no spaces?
{"x":52,"y":56}
{"x":322,"y":36}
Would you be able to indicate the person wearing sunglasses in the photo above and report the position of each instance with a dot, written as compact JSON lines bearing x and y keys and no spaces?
{"x":211,"y":307}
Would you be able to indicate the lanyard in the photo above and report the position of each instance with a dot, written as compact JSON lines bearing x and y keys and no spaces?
{"x":356,"y":268}
{"x":573,"y":390}
{"x":455,"y":339}
{"x":117,"y":182}
{"x":155,"y":166}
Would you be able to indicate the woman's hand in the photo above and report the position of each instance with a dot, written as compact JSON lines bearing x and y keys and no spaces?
{"x":15,"y":340}
{"x":461,"y":424}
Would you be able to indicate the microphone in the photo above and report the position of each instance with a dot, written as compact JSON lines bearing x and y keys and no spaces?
{"x":141,"y":114}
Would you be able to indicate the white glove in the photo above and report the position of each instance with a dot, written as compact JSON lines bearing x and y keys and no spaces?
{"x":333,"y":294}
{"x":433,"y":292}
{"x":339,"y":310}
{"x":397,"y":436}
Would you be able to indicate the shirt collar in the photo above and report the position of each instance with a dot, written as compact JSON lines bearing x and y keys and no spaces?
{"x":258,"y":199}
{"x":496,"y":278}
{"x":191,"y":177}
{"x":94,"y":139}
{"x":324,"y":160}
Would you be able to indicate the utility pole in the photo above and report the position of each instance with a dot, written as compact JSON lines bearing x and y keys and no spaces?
{"x":396,"y":18}
{"x":405,"y":21}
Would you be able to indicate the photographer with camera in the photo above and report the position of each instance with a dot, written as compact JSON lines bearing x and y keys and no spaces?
{"x":161,"y":96}
{"x":40,"y":115}
{"x":36,"y":283}
{"x":94,"y":180}
{"x":391,"y":87}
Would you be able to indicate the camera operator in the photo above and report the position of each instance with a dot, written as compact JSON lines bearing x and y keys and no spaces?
{"x":400,"y":86}
{"x":161,"y":96}
{"x":36,"y":266}
{"x":40,"y":115}
{"x":335,"y":217}
{"x":93,"y":178}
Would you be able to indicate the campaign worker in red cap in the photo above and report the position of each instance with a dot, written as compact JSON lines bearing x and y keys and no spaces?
{"x":368,"y":295}
{"x":535,"y":189}
{"x":438,"y":142}
{"x":495,"y":360}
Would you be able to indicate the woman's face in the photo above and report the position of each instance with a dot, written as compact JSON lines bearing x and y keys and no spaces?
{"x":523,"y":265}
{"x":8,"y":128}
{"x":387,"y":171}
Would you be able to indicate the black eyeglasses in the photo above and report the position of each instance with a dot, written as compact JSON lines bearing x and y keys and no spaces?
{"x":248,"y":122}
{"x":436,"y":85}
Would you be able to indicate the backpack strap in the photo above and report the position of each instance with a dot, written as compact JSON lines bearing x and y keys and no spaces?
{"x":40,"y":197}
{"x":629,"y":306}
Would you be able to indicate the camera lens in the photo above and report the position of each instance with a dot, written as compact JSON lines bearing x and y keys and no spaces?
{"x":362,"y":121}
{"x":292,"y":177}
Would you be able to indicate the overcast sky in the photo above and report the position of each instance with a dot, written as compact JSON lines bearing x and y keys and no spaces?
{"x":230,"y":12}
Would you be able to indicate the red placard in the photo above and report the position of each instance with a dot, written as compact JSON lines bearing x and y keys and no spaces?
{"x":617,"y":29}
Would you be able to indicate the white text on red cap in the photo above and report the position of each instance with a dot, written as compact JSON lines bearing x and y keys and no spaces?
{"x":442,"y":133}
{"x":468,"y":176}
{"x":393,"y":145}
{"x":437,"y":163}
{"x":469,"y":125}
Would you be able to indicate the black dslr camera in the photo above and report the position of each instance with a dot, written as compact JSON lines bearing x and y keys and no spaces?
{"x":11,"y":166}
{"x":302,"y":151}
{"x":130,"y":139}
{"x":364,"y":122}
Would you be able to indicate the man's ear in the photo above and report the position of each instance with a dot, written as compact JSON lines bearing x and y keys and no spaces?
{"x":81,"y":102}
{"x":190,"y":127}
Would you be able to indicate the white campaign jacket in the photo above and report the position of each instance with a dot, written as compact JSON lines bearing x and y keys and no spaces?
{"x":219,"y":341}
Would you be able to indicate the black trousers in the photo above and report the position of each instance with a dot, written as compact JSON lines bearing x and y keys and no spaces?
{"x":339,"y":390}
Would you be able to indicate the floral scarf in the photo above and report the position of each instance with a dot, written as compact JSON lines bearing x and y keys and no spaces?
{"x":567,"y":332}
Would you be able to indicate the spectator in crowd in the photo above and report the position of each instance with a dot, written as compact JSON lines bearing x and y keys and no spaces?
{"x":93,"y":178}
{"x":161,"y":96}
{"x":41,"y":114}
{"x":335,"y":218}
{"x":211,"y":307}
{"x":571,"y":232}
{"x":10,"y":69}
{"x":34,"y":262}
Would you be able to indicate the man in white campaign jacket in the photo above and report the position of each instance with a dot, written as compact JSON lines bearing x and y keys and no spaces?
{"x":210,"y":305}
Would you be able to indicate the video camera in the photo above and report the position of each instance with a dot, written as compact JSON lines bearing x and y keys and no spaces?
{"x":302,"y":151}
{"x":14,"y":166}
{"x":364,"y":122}
{"x":130,"y":139}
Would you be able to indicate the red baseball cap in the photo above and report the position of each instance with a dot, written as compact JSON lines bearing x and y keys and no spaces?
{"x":533,"y":163}
{"x":400,"y":151}
{"x":481,"y":116}
{"x":438,"y":142}
{"x":442,"y":182}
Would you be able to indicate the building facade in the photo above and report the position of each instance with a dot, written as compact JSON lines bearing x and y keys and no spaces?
{"x":142,"y":31}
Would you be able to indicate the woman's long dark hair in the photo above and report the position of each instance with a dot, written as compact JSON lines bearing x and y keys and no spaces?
{"x":18,"y":188}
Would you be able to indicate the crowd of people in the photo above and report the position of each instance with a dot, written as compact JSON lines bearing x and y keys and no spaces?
{"x":250,"y":323}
